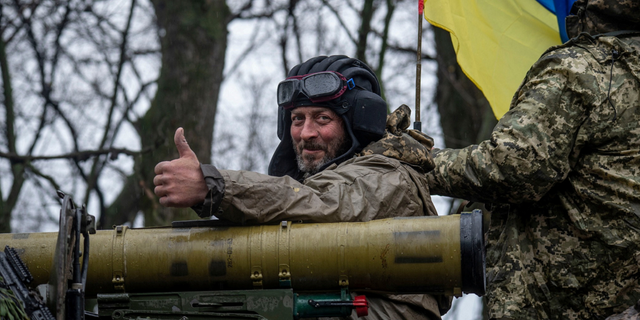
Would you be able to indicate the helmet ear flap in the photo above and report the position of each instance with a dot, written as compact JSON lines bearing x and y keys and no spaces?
{"x":281,"y":122}
{"x":369,"y":117}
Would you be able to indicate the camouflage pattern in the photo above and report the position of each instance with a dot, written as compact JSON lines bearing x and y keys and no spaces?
{"x":564,"y":166}
{"x":410,"y":146}
{"x":602,"y":16}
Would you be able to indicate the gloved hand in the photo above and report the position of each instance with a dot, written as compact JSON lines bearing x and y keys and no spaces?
{"x":407,"y":145}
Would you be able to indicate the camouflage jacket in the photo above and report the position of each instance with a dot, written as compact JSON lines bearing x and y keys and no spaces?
{"x":564,"y":163}
{"x":386,"y":180}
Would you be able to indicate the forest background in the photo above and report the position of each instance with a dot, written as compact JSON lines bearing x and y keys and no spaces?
{"x":93,"y":90}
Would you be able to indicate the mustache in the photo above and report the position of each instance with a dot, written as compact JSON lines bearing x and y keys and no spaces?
{"x":311,"y":145}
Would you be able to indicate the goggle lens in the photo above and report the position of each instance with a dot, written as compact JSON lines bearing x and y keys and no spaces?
{"x":286,"y":91}
{"x":317,"y":87}
{"x":321,"y":85}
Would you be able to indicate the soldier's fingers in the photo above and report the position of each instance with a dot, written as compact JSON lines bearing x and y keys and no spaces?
{"x":159,"y":191}
{"x":158,"y":180}
{"x":182,"y":145}
{"x":163,"y":201}
{"x":160,"y":167}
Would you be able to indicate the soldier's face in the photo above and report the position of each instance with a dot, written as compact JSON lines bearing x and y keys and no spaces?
{"x":318,"y":135}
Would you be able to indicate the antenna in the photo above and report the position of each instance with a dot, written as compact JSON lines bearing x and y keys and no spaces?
{"x":417,"y":125}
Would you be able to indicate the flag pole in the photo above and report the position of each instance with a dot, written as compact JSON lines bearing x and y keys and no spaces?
{"x":417,"y":125}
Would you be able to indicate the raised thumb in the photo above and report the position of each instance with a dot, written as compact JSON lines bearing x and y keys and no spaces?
{"x":181,"y":144}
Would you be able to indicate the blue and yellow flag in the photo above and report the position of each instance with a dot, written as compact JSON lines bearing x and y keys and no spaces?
{"x":497,"y":41}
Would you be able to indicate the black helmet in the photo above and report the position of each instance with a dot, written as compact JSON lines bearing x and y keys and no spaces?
{"x":361,"y":107}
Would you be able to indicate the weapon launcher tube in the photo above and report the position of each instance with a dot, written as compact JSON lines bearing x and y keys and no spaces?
{"x":397,"y":255}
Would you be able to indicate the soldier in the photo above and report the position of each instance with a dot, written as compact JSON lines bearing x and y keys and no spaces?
{"x":335,"y":162}
{"x":563,"y":170}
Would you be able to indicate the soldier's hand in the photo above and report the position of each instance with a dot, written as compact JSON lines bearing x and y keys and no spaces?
{"x":180,"y":182}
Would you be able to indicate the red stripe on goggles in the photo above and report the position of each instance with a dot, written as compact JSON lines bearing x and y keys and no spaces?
{"x":317,"y":87}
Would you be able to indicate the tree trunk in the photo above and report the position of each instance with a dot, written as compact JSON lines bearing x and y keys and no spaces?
{"x":193,"y":37}
{"x":363,"y":31}
{"x":17,"y":169}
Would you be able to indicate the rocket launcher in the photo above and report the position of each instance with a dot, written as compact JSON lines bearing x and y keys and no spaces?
{"x":442,"y":255}
{"x":438,"y":255}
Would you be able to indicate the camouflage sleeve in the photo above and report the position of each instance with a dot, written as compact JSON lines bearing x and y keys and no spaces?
{"x":531,"y":148}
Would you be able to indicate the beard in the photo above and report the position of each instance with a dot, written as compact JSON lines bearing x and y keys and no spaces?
{"x":309,"y":165}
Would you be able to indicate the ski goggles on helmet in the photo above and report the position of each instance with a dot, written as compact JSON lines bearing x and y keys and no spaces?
{"x":317,"y":87}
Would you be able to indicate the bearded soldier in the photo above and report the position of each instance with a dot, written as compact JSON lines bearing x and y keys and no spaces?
{"x":335,"y":162}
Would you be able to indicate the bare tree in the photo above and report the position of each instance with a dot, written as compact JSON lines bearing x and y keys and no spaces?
{"x":69,"y":92}
{"x":129,"y":78}
{"x":193,"y":38}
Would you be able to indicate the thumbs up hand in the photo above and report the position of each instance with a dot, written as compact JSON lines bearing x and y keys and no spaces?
{"x":180,"y":182}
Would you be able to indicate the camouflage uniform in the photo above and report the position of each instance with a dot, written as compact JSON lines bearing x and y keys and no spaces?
{"x":387,"y":179}
{"x":564,"y":164}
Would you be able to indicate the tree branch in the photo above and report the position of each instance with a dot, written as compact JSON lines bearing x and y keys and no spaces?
{"x":385,"y":43}
{"x":411,"y":51}
{"x":78,"y":155}
{"x":109,"y":134}
{"x":253,"y":44}
{"x":39,"y":173}
{"x":365,"y":28}
{"x":344,"y":25}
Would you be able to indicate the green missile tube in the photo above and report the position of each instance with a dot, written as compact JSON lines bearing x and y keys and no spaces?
{"x":397,"y":255}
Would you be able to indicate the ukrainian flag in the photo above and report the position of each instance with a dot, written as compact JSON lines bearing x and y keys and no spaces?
{"x":497,"y":41}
